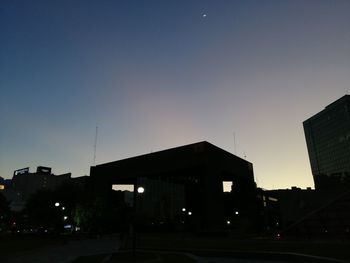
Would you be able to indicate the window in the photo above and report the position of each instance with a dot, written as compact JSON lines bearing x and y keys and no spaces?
{"x":227,"y":186}
{"x":123,"y":187}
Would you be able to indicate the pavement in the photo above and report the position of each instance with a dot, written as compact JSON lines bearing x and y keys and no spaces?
{"x":283,"y":259}
{"x":233,"y":260}
{"x":229,"y":256}
{"x":220,"y":259}
{"x":67,"y":252}
{"x":110,"y":244}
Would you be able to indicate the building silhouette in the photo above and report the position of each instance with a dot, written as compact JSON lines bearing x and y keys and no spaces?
{"x":325,"y":212}
{"x":43,"y":179}
{"x":294,"y":204}
{"x":329,"y":219}
{"x":184,"y":186}
{"x":24,"y":184}
{"x":327,"y":136}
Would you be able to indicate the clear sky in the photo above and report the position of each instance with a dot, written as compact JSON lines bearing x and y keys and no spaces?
{"x":160,"y":74}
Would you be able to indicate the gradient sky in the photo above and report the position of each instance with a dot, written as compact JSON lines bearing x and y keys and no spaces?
{"x":157,"y":74}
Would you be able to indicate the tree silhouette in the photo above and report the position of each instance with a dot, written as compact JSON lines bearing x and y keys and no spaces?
{"x":42,"y":212}
{"x":4,"y":213}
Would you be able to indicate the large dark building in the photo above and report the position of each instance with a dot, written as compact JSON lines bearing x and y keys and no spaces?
{"x":324,"y":212}
{"x":184,"y":185}
{"x":328,"y":142}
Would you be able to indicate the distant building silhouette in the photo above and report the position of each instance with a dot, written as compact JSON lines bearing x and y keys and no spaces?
{"x":183,"y":187}
{"x":328,"y":142}
{"x":295,"y":203}
{"x":28,"y":183}
{"x":24,"y":184}
{"x":331,"y":219}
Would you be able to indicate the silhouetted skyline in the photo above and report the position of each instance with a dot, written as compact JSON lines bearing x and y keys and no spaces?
{"x":159,"y":74}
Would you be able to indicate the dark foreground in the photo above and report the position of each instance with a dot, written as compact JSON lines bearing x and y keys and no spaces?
{"x":168,"y":248}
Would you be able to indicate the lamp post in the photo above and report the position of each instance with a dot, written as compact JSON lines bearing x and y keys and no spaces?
{"x":59,"y":213}
{"x":139,"y":190}
{"x":60,"y":210}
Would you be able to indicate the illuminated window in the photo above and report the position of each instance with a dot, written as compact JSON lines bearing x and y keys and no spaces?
{"x":123,"y":187}
{"x":2,"y":187}
{"x":227,"y":186}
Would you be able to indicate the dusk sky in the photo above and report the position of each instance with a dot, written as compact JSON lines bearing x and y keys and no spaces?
{"x":159,"y":74}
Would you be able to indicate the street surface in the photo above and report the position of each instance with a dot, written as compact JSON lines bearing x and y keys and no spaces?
{"x":68,"y":252}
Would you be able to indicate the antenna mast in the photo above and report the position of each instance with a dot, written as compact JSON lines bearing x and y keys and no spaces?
{"x":234,"y":143}
{"x":95,"y":145}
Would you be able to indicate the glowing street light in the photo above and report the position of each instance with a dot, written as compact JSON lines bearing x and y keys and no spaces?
{"x":65,"y":217}
{"x":140,"y":190}
{"x":189,"y":213}
{"x":183,"y":209}
{"x":57,"y":204}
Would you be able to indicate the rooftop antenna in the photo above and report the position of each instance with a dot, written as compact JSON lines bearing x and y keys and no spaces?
{"x":95,"y":144}
{"x":234,"y":143}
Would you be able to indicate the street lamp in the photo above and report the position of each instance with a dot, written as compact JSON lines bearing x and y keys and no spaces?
{"x":140,"y":190}
{"x":57,"y":204}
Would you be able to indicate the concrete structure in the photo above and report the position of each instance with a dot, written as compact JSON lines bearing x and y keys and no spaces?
{"x":185,"y":185}
{"x":328,"y":142}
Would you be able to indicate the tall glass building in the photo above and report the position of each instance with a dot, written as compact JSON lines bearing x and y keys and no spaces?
{"x":328,"y":142}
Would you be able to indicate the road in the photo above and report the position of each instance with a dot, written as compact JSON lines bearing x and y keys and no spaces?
{"x":68,"y":252}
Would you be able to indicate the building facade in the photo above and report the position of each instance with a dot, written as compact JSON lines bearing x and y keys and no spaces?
{"x":184,"y":185}
{"x":328,"y":142}
{"x":43,"y":179}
